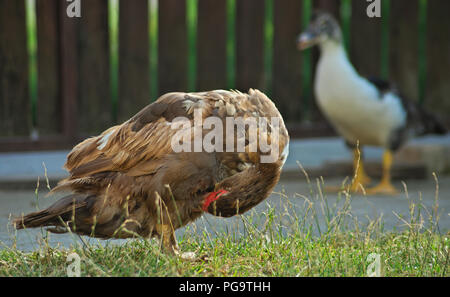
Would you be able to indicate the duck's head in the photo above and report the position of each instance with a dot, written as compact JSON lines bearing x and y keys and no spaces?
{"x":322,"y":28}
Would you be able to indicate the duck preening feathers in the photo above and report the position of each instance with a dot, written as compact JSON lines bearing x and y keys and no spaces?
{"x":364,"y":111}
{"x":129,"y":181}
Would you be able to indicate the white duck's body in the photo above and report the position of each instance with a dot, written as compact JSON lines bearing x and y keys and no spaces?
{"x":353,"y":105}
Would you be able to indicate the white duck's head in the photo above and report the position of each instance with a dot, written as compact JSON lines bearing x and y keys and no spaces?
{"x":322,"y":28}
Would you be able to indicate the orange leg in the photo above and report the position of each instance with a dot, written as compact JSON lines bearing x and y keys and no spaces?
{"x":385,"y":187}
{"x":360,"y":178}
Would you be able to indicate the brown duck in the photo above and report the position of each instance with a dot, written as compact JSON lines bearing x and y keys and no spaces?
{"x":129,"y":181}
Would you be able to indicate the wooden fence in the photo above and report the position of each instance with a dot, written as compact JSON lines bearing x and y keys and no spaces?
{"x":74,"y":90}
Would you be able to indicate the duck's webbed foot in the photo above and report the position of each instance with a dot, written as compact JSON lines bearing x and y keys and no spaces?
{"x":385,"y":187}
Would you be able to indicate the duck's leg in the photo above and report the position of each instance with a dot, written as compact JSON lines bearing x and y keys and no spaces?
{"x":168,"y":239}
{"x":385,"y":187}
{"x":360,"y":178}
{"x":169,"y":242}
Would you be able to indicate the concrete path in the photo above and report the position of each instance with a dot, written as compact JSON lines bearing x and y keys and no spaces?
{"x":294,"y":197}
{"x":22,"y":170}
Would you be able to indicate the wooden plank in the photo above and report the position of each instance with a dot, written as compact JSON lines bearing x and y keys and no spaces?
{"x":211,"y":41}
{"x":287,"y":59}
{"x":172,"y":46}
{"x":94,"y":105}
{"x":365,"y":40}
{"x":48,"y":102}
{"x":404,"y":47}
{"x":310,"y":130}
{"x":331,"y":6}
{"x":249,"y":44}
{"x":437,"y":94}
{"x":44,"y":143}
{"x":134,"y":73}
{"x":68,"y":71}
{"x":15,"y":112}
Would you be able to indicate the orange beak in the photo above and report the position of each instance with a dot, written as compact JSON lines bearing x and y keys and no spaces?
{"x":306,"y":40}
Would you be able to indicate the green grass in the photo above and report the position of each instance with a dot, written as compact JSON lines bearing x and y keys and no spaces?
{"x":403,"y":254}
{"x":309,"y":239}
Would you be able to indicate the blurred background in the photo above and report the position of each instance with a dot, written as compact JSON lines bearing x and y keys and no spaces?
{"x":64,"y":79}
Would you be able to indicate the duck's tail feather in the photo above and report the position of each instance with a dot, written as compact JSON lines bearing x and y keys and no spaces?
{"x":59,"y":214}
{"x":432,"y":125}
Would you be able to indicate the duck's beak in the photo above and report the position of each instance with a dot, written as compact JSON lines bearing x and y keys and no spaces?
{"x":306,"y":40}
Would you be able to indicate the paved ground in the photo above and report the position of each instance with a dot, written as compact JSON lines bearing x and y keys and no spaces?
{"x":364,"y":208}
{"x":21,"y":171}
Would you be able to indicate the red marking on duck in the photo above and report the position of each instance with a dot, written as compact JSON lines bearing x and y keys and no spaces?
{"x":212,"y":197}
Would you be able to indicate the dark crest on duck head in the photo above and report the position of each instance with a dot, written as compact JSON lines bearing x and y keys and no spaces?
{"x":322,"y":27}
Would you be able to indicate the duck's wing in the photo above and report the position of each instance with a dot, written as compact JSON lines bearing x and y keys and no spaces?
{"x":419,"y":120}
{"x":140,"y":145}
{"x":137,"y":147}
{"x":383,"y":86}
{"x":146,"y":136}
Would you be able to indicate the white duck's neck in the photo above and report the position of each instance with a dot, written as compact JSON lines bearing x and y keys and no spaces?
{"x":330,"y":46}
{"x":336,"y":76}
{"x":333,"y":53}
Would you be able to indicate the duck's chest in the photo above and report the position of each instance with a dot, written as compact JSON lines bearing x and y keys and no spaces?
{"x":340,"y":91}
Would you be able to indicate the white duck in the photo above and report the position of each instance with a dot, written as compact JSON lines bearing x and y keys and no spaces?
{"x":364,"y":111}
